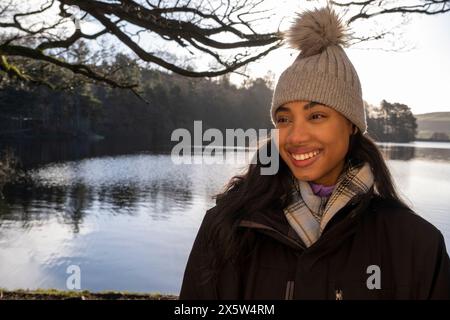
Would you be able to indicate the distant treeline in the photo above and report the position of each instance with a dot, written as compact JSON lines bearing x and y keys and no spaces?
{"x":391,"y":122}
{"x":171,"y":101}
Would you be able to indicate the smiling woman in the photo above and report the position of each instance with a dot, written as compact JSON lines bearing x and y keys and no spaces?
{"x":313,"y":140}
{"x":329,"y":223}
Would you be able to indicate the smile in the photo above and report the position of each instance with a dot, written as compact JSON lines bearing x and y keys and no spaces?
{"x":305,"y":156}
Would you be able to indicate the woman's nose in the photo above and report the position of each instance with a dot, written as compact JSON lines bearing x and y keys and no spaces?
{"x":298,"y":133}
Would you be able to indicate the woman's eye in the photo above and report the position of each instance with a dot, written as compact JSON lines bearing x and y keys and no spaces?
{"x":282,"y":120}
{"x":317,"y":116}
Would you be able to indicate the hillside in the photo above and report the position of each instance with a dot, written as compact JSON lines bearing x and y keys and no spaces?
{"x":433,"y":123}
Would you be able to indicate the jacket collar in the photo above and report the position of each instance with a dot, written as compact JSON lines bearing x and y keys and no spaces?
{"x":273,"y":222}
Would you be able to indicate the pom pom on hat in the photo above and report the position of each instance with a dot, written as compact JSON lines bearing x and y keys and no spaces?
{"x":313,"y":31}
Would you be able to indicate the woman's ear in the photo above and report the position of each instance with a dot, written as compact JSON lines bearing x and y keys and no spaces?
{"x":353,"y":128}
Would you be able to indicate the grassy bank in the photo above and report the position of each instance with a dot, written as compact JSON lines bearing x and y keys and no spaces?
{"x":53,"y":294}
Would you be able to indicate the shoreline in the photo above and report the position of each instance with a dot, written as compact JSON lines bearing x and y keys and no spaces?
{"x":54,"y":294}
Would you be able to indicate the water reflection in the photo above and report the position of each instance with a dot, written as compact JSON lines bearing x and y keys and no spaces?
{"x":417,"y":150}
{"x":117,"y":186}
{"x":34,"y":153}
{"x":128,"y":221}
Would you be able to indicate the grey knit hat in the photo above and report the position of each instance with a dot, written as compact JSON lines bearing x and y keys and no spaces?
{"x":322,"y":72}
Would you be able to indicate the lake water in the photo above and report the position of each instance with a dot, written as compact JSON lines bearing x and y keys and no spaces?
{"x":128,"y":218}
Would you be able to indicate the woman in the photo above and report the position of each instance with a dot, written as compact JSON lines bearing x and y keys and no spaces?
{"x":329,"y":224}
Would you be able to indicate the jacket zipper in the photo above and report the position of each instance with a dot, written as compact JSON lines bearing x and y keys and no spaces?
{"x":289,"y":290}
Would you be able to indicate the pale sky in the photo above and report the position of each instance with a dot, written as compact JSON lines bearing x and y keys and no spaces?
{"x":419,"y":78}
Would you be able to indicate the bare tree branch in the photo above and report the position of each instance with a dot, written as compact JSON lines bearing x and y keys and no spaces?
{"x":194,"y":25}
{"x":222,"y":31}
{"x":379,"y":7}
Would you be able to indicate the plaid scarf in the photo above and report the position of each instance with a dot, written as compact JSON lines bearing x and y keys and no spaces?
{"x":308,"y":214}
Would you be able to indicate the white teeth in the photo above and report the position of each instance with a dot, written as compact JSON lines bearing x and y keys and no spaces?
{"x":304,"y":156}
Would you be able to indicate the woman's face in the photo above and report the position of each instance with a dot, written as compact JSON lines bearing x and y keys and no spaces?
{"x":313,"y":140}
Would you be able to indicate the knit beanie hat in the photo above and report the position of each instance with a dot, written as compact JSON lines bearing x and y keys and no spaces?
{"x":322,"y":72}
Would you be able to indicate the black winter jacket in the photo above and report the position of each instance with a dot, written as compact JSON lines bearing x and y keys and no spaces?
{"x":371,"y":249}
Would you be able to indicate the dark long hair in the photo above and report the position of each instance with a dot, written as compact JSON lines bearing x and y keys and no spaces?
{"x":251,"y":192}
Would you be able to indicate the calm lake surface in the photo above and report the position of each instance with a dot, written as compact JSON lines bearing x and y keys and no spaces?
{"x":128,"y":217}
